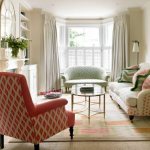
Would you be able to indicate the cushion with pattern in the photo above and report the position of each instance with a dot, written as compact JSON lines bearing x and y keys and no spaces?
{"x":126,"y":75}
{"x":146,"y":83}
{"x":133,"y":67}
{"x":139,"y":78}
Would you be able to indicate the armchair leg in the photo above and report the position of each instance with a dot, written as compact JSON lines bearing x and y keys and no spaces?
{"x":131,"y":117}
{"x":36,"y":147}
{"x":66,"y":90}
{"x":1,"y":141}
{"x":71,"y":132}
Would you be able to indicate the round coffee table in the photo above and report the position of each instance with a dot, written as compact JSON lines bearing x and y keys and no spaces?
{"x":88,"y":90}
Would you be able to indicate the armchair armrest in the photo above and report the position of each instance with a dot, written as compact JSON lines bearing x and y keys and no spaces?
{"x":48,"y":105}
{"x":107,"y":77}
{"x":64,"y":77}
{"x":143,"y":97}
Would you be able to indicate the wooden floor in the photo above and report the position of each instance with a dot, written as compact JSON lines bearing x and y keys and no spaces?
{"x":138,"y":145}
{"x":119,"y":145}
{"x":83,"y":146}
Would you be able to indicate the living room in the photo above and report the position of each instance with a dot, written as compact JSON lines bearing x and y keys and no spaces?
{"x":60,"y":35}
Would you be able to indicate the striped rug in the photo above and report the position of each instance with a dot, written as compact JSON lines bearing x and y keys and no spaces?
{"x":114,"y":127}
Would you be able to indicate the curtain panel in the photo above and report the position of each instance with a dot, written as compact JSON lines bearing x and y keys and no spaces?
{"x":119,"y":46}
{"x":50,"y":59}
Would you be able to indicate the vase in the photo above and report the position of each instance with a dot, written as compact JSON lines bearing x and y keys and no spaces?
{"x":21,"y":54}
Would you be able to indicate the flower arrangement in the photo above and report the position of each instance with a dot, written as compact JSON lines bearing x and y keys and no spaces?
{"x":15,"y":44}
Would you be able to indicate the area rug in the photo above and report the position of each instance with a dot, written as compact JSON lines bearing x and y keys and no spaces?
{"x":116,"y":125}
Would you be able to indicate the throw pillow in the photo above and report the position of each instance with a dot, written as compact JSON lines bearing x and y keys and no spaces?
{"x":140,"y":79}
{"x":139,"y":72}
{"x":146,"y":84}
{"x":133,"y":67}
{"x":126,"y":75}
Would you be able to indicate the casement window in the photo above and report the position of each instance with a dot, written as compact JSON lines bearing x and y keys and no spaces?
{"x":87,"y":45}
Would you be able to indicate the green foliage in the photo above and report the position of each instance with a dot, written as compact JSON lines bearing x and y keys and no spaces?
{"x":15,"y":44}
{"x":72,"y":36}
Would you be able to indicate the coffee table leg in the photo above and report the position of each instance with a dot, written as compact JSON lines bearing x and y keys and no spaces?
{"x":104,"y":105}
{"x":72,"y":96}
{"x":89,"y":108}
{"x":99,"y":101}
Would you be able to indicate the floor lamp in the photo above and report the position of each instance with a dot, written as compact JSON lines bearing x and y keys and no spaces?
{"x":136,"y":49}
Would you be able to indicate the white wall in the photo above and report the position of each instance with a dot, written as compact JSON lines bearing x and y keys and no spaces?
{"x":146,"y":33}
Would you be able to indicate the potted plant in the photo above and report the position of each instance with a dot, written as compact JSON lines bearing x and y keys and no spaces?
{"x":15,"y":44}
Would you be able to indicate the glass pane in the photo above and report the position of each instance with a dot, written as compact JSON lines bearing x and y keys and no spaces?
{"x":107,"y":34}
{"x":80,"y":57}
{"x":71,"y":58}
{"x":83,"y":37}
{"x":97,"y":58}
{"x":89,"y":58}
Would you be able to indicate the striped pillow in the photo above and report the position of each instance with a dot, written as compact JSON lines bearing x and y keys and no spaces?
{"x":126,"y":75}
{"x":138,"y":79}
{"x":146,"y":84}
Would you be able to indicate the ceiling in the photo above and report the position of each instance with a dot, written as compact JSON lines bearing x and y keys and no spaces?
{"x":87,"y":9}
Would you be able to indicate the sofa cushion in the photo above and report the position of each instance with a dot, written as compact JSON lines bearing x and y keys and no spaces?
{"x":146,"y":84}
{"x":86,"y":81}
{"x":122,"y":90}
{"x":144,"y":65}
{"x":139,"y":78}
{"x":129,"y":97}
{"x":127,"y":74}
{"x":139,"y":72}
{"x":133,"y":67}
{"x":115,"y":86}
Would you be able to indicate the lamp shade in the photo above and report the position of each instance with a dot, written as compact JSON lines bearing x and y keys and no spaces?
{"x":135,"y":47}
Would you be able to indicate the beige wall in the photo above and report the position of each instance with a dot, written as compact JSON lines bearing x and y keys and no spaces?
{"x":135,"y":32}
{"x":146,"y":33}
{"x":36,"y":40}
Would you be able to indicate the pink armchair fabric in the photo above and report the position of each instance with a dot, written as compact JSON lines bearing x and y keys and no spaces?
{"x":22,"y":119}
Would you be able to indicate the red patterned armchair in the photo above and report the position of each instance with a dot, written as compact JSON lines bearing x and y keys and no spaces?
{"x":22,"y":119}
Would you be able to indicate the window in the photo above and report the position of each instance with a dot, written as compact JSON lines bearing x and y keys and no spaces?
{"x":88,"y":46}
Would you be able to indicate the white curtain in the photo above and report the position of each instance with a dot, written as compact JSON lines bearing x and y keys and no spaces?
{"x":119,"y":46}
{"x":51,"y":71}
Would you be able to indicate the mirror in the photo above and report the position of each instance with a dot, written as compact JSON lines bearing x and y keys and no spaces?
{"x":8,"y":19}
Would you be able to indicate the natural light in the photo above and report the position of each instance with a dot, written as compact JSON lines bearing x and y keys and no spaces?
{"x":86,"y":46}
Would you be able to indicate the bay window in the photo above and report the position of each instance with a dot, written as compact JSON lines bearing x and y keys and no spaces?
{"x":86,"y":45}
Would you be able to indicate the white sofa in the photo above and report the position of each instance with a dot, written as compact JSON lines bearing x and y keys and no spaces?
{"x":134,"y":103}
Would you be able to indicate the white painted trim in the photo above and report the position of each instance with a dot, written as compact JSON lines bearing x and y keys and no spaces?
{"x":25,"y":4}
{"x":83,"y":22}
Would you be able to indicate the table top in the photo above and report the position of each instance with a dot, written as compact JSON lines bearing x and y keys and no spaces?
{"x":97,"y":90}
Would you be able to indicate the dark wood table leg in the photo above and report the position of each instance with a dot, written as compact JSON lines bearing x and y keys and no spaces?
{"x":99,"y":101}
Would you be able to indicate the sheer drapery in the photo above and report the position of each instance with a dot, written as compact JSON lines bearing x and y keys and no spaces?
{"x":51,"y":70}
{"x":119,"y":46}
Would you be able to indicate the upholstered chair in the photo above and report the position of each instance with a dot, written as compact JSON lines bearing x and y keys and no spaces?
{"x":31,"y":122}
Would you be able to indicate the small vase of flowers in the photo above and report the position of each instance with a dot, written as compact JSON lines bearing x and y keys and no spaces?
{"x":15,"y":44}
